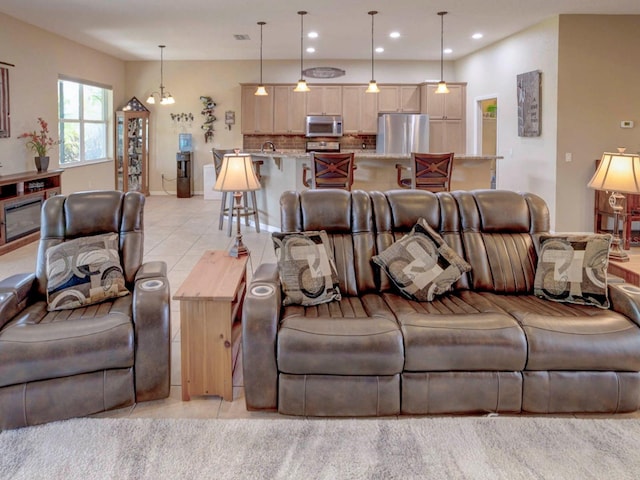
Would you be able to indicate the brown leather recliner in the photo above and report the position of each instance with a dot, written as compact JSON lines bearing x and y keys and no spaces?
{"x":60,"y":364}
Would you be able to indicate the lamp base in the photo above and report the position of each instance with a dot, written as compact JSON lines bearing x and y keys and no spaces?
{"x":238,"y":249}
{"x":616,"y":253}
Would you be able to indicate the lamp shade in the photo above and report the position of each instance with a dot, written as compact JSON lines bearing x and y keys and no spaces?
{"x":617,"y":172}
{"x":236,"y":174}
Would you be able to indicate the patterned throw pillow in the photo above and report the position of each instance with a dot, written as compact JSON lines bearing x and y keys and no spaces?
{"x":84,"y":271}
{"x":307,"y":269}
{"x":421,"y":264}
{"x":573,"y":269}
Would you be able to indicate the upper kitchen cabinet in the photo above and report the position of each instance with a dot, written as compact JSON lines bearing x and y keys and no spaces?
{"x":289,"y":109}
{"x":324,"y":100}
{"x":399,"y":98}
{"x":446,"y":106}
{"x":257,"y":111}
{"x":359,"y":110}
{"x":447,"y":123}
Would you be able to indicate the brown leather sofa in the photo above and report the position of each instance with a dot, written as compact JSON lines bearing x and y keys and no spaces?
{"x":60,"y":364}
{"x":489,"y":345}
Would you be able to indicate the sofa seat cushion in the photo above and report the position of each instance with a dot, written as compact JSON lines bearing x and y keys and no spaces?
{"x":574,"y":337}
{"x":355,"y":343}
{"x":38,"y":345}
{"x":606,"y":342}
{"x":454,"y":342}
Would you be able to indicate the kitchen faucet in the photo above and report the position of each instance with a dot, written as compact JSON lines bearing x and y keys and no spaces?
{"x":273,"y":147}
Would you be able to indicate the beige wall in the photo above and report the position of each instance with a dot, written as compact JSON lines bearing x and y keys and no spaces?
{"x":529,"y":163}
{"x":188,"y":80}
{"x":598,"y":87}
{"x":39,"y":57}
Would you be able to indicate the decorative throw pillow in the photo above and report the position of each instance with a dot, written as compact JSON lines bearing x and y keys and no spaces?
{"x":307,"y":270}
{"x":84,"y":271}
{"x":421,"y":264}
{"x":573,"y":269}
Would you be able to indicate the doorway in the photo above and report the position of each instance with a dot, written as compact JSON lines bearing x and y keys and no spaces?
{"x":486,"y":138}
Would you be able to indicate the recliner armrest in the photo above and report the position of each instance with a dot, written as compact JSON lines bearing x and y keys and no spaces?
{"x":152,"y":324}
{"x":260,"y":319}
{"x":14,"y":295}
{"x":625,"y":299}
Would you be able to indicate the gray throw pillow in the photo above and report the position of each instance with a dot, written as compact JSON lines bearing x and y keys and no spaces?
{"x":84,"y":271}
{"x":573,"y":269}
{"x":307,"y":269}
{"x":421,"y":264}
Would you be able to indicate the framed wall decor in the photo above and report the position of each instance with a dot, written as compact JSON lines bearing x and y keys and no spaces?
{"x":529,"y":114}
{"x":5,"y":124}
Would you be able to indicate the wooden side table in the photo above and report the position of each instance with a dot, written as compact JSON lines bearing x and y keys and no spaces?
{"x":210,"y":303}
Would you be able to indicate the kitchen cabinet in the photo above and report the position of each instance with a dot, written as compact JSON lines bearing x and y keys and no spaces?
{"x":399,"y":98}
{"x":132,"y":151}
{"x":359,"y":110}
{"x":289,"y":109}
{"x":324,"y":100}
{"x":257,"y":111}
{"x":447,"y":119}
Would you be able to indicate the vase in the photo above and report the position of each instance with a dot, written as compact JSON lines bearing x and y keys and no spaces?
{"x":42,"y":163}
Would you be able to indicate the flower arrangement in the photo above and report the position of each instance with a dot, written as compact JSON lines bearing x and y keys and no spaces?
{"x":41,"y":142}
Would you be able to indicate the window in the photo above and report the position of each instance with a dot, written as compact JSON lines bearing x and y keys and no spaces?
{"x":84,"y":122}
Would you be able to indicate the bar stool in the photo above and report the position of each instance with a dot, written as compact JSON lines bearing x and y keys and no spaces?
{"x":226,"y":203}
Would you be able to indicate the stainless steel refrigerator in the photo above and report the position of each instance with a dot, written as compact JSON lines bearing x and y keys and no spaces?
{"x":402,"y":133}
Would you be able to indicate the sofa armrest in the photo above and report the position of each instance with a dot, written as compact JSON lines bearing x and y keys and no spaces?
{"x":151,"y":270}
{"x":625,"y":299}
{"x":152,"y":324}
{"x":260,"y":319}
{"x":14,"y":295}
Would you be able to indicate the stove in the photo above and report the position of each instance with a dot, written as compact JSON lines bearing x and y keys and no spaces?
{"x":323,"y":146}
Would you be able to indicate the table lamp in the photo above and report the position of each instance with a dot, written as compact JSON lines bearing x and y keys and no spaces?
{"x":617,"y":173}
{"x":237,"y":176}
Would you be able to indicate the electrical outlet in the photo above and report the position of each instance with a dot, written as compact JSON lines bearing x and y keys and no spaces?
{"x":568,"y":157}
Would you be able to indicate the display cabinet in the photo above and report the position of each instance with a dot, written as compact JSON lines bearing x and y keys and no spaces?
{"x":132,"y":148}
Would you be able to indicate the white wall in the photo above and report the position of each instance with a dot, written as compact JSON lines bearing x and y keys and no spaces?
{"x":39,"y":57}
{"x":188,"y":80}
{"x":598,"y":87}
{"x":529,"y":163}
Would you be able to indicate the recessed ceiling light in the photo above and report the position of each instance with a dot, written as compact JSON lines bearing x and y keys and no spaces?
{"x":379,"y":49}
{"x":394,"y":34}
{"x":311,"y":50}
{"x":312,"y":34}
{"x":447,"y":50}
{"x":477,"y":36}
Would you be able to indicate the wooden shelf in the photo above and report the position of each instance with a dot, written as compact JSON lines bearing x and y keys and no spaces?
{"x":17,"y":189}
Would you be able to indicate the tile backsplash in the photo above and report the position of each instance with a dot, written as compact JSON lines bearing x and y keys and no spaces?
{"x":298,"y":142}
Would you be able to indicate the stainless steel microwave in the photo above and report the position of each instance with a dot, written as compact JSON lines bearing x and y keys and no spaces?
{"x":323,"y":126}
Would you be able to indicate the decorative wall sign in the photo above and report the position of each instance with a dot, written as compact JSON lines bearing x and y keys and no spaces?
{"x":323,"y":72}
{"x":5,"y":125}
{"x":529,"y":103}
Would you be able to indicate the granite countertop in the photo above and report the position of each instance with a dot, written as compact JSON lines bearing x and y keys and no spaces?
{"x":298,"y":153}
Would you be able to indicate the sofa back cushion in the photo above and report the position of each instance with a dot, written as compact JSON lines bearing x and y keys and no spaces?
{"x":498,"y":229}
{"x":347,"y":219}
{"x":84,"y":214}
{"x":397,"y":211}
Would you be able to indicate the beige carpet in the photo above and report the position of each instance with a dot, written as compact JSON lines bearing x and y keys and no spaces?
{"x":406,"y":448}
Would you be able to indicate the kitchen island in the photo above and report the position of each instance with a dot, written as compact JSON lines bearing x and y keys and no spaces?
{"x":282,"y":171}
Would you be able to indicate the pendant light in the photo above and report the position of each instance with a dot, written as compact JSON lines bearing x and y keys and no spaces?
{"x":261,"y":91}
{"x":302,"y":83}
{"x":165,"y":98}
{"x":442,"y":85}
{"x":373,"y":86}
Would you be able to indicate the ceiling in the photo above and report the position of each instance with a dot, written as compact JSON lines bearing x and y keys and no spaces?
{"x":205,"y":29}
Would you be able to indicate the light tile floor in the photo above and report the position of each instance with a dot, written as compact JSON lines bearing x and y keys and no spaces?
{"x":178,"y":231}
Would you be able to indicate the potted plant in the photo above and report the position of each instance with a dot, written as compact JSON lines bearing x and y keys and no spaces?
{"x":40,"y":142}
